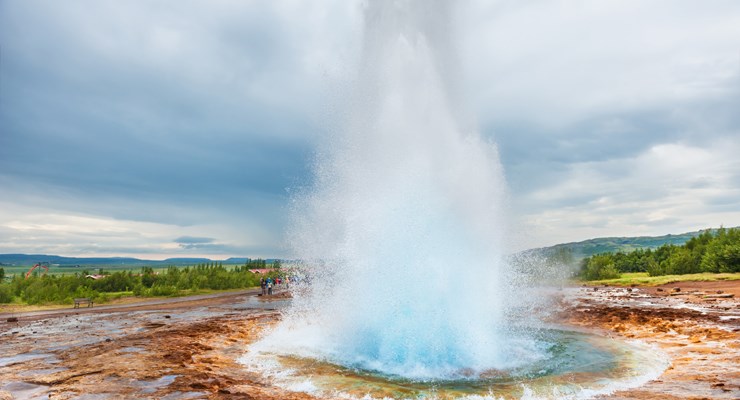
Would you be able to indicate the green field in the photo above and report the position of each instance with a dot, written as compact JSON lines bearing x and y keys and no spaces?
{"x":91,"y":269}
{"x":643,"y":279}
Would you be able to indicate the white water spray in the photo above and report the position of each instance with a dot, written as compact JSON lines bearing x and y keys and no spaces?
{"x":402,"y":234}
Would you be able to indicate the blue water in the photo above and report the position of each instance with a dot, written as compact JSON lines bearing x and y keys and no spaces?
{"x":574,"y":365}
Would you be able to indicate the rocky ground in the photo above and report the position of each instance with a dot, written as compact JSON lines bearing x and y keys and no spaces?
{"x":167,"y":350}
{"x":697,"y":324}
{"x":185,"y":349}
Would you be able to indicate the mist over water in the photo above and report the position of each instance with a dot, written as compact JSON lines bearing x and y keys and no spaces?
{"x":403,"y":232}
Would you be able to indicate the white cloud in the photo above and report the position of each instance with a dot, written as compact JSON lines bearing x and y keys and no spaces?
{"x":35,"y":229}
{"x":555,"y":62}
{"x":670,"y":188}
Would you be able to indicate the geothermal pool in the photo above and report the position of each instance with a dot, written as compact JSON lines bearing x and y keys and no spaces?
{"x":575,"y":365}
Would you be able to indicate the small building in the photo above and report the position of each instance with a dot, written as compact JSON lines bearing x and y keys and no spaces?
{"x":261,"y":271}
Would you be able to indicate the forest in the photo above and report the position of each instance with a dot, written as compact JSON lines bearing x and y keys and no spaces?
{"x":713,"y":251}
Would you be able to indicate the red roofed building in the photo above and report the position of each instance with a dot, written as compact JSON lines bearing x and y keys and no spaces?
{"x":261,"y":271}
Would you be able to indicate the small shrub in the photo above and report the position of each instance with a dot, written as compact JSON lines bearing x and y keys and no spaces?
{"x":599,"y":267}
{"x":6,"y":294}
{"x":163,"y":290}
{"x":654,"y":269}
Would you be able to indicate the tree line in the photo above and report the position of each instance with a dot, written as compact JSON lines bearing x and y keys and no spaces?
{"x":173,"y":281}
{"x":711,"y":251}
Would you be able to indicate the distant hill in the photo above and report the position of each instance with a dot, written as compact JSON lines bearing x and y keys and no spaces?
{"x":30,"y":259}
{"x":238,"y":260}
{"x":590,"y":247}
{"x":579,"y":250}
{"x":185,"y":260}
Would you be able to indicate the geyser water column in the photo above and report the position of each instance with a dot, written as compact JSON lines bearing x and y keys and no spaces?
{"x":402,"y":232}
{"x":408,"y":293}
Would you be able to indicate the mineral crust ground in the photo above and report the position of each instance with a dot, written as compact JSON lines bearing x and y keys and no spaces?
{"x":188,"y":348}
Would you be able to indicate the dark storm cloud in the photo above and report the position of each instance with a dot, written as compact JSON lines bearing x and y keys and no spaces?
{"x":193,"y":240}
{"x":204,"y":243}
{"x":210,"y":246}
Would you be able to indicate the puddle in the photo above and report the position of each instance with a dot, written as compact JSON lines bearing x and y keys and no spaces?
{"x":20,"y":358}
{"x":181,"y":395}
{"x":153,"y":386}
{"x":256,"y":302}
{"x":23,"y":390}
{"x":47,"y":371}
{"x":94,"y":396}
{"x":132,"y":349}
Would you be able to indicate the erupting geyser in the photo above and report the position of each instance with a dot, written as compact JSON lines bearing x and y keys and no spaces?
{"x":403,"y":229}
{"x":402,"y":234}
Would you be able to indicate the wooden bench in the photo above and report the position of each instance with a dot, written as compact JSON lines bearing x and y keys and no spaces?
{"x":83,"y":300}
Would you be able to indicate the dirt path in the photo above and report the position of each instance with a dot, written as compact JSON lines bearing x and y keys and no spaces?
{"x":157,"y":304}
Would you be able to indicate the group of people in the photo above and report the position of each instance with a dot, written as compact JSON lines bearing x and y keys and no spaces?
{"x":267,"y":284}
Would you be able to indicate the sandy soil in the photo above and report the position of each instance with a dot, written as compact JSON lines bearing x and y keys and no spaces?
{"x":188,"y":348}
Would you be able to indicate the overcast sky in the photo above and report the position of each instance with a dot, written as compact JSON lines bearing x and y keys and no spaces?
{"x":176,"y":128}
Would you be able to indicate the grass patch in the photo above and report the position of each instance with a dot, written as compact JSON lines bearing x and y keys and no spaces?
{"x":642,"y":279}
{"x":57,"y":270}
